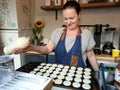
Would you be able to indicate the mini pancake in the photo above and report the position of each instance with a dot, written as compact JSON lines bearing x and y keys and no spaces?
{"x":36,"y":69}
{"x":32,"y":72}
{"x":86,"y":81}
{"x":58,"y":81}
{"x":53,"y":76}
{"x":46,"y":74}
{"x":61,"y":77}
{"x":69,"y":78}
{"x":77,"y":79}
{"x":76,"y":85}
{"x":60,"y":66}
{"x":39,"y":73}
{"x":67,"y":83}
{"x":86,"y":86}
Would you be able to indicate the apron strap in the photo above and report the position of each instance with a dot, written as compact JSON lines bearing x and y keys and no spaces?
{"x":65,"y":30}
{"x":63,"y":34}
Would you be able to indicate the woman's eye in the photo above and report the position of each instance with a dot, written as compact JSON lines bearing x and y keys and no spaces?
{"x":65,"y":18}
{"x":71,"y":18}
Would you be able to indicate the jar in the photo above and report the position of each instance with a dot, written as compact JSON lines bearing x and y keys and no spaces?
{"x":6,"y":61}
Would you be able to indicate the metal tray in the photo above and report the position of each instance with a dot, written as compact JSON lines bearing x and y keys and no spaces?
{"x":30,"y":67}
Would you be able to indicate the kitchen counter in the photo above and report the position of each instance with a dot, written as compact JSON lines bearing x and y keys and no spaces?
{"x":109,"y":58}
{"x":100,"y":57}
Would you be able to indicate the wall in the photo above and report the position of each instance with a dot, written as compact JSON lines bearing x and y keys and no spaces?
{"x":88,"y":16}
{"x":8,"y":15}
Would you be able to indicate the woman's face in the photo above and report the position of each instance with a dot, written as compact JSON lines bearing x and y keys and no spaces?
{"x":71,"y":18}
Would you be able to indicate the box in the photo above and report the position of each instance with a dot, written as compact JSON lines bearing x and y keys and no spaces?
{"x":25,"y":81}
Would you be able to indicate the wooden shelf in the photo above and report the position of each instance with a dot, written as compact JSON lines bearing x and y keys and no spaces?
{"x":86,"y":6}
{"x":101,"y":5}
{"x":51,"y":8}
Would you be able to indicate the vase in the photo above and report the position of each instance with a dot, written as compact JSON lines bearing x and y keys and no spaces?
{"x":35,"y":41}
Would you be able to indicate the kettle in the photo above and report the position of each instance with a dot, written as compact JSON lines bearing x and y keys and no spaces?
{"x":107,"y":48}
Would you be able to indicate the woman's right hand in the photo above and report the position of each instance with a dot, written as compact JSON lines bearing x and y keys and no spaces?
{"x":23,"y":50}
{"x":18,"y":51}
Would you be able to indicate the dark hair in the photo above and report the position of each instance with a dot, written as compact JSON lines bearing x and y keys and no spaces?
{"x":72,"y":4}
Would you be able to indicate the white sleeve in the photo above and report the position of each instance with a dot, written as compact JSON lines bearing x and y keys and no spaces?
{"x":91,"y":42}
{"x":87,"y":40}
{"x":55,"y":36}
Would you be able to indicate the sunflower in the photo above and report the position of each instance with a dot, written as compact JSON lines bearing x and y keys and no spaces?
{"x":39,"y":24}
{"x":37,"y":30}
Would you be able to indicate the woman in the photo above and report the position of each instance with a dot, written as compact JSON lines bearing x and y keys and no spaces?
{"x":72,"y":44}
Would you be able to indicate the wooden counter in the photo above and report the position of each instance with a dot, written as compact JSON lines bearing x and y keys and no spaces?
{"x":100,"y":57}
{"x":109,"y":58}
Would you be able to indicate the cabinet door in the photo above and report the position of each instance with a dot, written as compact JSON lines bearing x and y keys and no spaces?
{"x":51,"y":58}
{"x":26,"y":13}
{"x":34,"y":58}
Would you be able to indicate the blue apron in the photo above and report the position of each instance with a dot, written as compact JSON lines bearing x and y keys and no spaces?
{"x":74,"y":56}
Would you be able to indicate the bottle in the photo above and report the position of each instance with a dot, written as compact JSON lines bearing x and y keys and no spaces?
{"x":105,"y":72}
{"x":21,"y":42}
{"x":117,"y":73}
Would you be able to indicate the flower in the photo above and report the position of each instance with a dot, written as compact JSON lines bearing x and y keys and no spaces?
{"x":37,"y":30}
{"x":39,"y":24}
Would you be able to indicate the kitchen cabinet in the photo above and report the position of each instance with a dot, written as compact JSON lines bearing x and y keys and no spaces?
{"x":108,"y":60}
{"x":37,"y":57}
{"x":84,"y":6}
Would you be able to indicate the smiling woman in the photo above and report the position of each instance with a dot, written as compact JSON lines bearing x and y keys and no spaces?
{"x":72,"y":44}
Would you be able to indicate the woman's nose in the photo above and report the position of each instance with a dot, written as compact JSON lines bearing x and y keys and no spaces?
{"x":68,"y":22}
